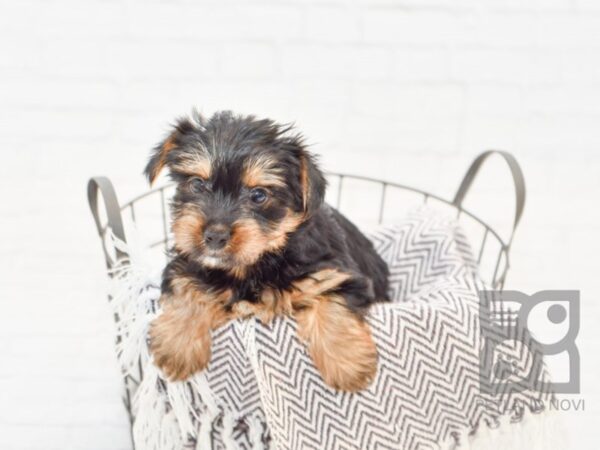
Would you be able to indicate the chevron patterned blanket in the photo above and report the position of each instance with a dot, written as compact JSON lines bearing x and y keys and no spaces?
{"x":261,"y":390}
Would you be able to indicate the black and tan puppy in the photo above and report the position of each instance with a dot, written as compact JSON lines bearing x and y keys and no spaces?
{"x":252,"y":236}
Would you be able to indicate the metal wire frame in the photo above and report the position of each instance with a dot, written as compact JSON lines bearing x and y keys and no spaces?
{"x":115,"y":214}
{"x":497,"y":279}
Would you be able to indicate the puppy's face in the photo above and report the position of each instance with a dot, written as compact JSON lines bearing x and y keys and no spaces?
{"x":242,"y":186}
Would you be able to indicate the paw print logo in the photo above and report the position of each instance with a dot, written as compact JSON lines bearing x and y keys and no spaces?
{"x":519,"y":331}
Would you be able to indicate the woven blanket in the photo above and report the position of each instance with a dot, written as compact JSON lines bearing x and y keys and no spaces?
{"x":261,"y":390}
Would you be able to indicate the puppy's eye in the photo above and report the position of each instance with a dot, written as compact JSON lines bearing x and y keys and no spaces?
{"x":197,"y":185}
{"x":258,"y":195}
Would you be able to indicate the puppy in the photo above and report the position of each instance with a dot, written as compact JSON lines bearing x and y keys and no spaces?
{"x":253,"y":237}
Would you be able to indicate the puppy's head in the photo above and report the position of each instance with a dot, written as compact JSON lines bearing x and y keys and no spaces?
{"x":243,"y":185}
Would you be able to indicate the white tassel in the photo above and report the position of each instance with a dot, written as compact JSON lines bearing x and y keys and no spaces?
{"x":201,"y":386}
{"x":134,"y":289}
{"x":255,"y":433}
{"x":204,"y":439}
{"x":170,"y":434}
{"x":540,"y":431}
{"x":181,"y":407}
{"x":229,"y":422}
{"x":153,"y":427}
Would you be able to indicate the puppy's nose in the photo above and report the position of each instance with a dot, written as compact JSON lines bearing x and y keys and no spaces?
{"x":216,"y":237}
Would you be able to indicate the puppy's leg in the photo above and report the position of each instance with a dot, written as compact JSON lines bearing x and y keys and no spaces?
{"x":339,"y":340}
{"x":180,"y":338}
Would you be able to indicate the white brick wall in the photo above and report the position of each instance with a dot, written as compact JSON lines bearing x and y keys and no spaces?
{"x":408,"y":90}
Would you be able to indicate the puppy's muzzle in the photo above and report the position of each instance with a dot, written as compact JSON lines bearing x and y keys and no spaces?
{"x":216,"y":236}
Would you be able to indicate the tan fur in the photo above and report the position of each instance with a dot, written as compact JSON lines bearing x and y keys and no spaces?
{"x":248,"y":241}
{"x":272,"y":303}
{"x":168,"y":145}
{"x":304,"y":181}
{"x":180,"y":339}
{"x":338,"y":341}
{"x":197,"y":165}
{"x":309,"y":288}
{"x":188,"y":231}
{"x":262,"y":172}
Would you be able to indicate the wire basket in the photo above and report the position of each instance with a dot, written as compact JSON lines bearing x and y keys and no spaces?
{"x":148,"y":212}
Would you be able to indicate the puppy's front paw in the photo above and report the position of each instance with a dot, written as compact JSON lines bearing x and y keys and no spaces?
{"x":339,"y":343}
{"x":180,"y":345}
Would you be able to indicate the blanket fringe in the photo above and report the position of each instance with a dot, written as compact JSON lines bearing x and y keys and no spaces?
{"x":256,"y":432}
{"x":157,"y":428}
{"x":178,"y":395}
{"x":544,"y":430}
{"x":204,"y":439}
{"x":229,"y":423}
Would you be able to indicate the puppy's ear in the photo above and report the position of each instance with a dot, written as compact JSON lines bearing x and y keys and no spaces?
{"x":159,"y":155}
{"x":312,"y":182}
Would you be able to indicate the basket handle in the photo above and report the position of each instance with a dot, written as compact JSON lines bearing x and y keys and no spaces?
{"x":518,"y":179}
{"x":113,"y":212}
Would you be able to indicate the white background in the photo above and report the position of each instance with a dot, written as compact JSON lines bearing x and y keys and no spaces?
{"x":407,"y":90}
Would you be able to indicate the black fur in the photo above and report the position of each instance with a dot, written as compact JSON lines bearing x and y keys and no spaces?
{"x":324,"y":239}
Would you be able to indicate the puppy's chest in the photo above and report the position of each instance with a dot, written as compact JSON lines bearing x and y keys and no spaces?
{"x":252,"y":290}
{"x":277,"y":275}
